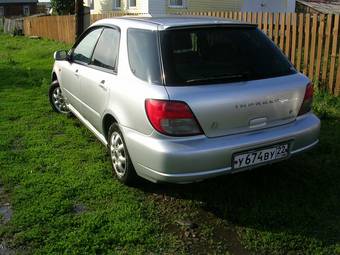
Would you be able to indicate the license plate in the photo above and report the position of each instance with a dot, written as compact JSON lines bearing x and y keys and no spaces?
{"x":256,"y":157}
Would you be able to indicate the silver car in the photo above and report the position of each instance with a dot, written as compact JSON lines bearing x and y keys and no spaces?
{"x":182,"y":99}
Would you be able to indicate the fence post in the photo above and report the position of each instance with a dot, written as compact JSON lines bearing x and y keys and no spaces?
{"x":333,"y":53}
{"x":79,"y":17}
{"x":87,"y":17}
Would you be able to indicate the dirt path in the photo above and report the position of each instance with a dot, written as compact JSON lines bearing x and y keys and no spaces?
{"x":5,"y":216}
{"x":199,"y":230}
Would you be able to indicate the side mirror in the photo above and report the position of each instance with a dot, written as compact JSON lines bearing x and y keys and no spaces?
{"x":60,"y":55}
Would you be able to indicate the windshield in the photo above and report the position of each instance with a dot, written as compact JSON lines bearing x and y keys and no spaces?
{"x":213,"y":55}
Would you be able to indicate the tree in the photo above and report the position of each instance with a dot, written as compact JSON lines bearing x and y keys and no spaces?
{"x":63,"y":7}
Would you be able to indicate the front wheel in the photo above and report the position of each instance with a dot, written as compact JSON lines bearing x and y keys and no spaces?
{"x":57,"y":99}
{"x":120,"y":158}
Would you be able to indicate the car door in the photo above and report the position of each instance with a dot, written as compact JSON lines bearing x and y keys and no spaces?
{"x":99,"y":76}
{"x":69,"y":82}
{"x":70,"y":70}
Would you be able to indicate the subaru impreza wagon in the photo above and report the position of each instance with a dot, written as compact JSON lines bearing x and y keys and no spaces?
{"x":181,"y":99}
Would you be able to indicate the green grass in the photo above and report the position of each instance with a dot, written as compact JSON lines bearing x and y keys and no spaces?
{"x":57,"y":178}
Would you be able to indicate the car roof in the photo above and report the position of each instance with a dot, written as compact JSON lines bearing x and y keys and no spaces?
{"x":167,"y":21}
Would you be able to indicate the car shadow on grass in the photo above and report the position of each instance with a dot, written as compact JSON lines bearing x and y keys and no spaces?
{"x":296,"y":200}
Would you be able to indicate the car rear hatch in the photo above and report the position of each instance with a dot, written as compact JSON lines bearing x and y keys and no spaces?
{"x":231,"y":108}
{"x":233,"y":78}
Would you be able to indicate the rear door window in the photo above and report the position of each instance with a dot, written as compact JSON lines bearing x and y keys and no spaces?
{"x":106,"y":52}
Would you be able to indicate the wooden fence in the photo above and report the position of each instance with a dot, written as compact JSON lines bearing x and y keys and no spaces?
{"x":59,"y":28}
{"x":2,"y":21}
{"x":310,"y":41}
{"x":13,"y":26}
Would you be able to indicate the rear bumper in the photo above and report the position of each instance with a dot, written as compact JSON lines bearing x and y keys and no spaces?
{"x":183,"y":160}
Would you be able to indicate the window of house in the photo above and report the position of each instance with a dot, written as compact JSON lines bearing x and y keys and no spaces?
{"x":176,"y":3}
{"x":117,"y":4}
{"x":132,"y":3}
{"x":105,"y":54}
{"x":26,"y":10}
{"x":2,"y":11}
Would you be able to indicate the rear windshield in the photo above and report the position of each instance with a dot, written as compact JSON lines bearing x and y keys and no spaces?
{"x":219,"y":55}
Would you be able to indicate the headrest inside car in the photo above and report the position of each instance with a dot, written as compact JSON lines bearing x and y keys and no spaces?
{"x":181,"y":42}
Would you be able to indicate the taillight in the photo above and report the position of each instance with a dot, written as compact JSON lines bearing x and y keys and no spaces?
{"x":173,"y":118}
{"x":307,"y":100}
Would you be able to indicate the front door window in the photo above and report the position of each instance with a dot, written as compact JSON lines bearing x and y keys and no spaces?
{"x":83,"y":51}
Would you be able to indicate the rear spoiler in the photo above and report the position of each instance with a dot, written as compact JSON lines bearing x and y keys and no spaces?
{"x":227,"y":25}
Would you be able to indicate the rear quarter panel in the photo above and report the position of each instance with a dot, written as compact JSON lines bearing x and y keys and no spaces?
{"x":127,"y":97}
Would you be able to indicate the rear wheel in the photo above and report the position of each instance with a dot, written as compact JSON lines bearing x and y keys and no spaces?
{"x":120,"y":158}
{"x":57,"y":99}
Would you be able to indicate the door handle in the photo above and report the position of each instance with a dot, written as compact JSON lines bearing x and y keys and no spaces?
{"x":101,"y":84}
{"x":76,"y":72}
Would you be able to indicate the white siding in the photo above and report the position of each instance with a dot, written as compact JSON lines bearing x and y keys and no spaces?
{"x":143,"y":6}
{"x":157,"y":6}
{"x":102,"y":6}
{"x":268,"y":5}
{"x":206,"y":5}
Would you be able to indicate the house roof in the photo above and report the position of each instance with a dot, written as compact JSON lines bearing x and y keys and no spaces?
{"x":323,"y":7}
{"x":166,"y":21}
{"x":18,"y":1}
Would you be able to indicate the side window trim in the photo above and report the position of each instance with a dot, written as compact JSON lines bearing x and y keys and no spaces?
{"x":108,"y":70}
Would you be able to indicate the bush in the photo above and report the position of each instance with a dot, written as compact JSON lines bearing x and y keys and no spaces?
{"x":63,"y":7}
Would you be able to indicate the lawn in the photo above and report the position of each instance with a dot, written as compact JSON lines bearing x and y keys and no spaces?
{"x":57,"y":194}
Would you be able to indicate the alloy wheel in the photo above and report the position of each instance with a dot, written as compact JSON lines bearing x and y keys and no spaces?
{"x":59,"y":101}
{"x":118,"y":154}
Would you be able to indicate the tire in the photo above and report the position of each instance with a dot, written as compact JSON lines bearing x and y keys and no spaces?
{"x":56,"y":98}
{"x":122,"y":166}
